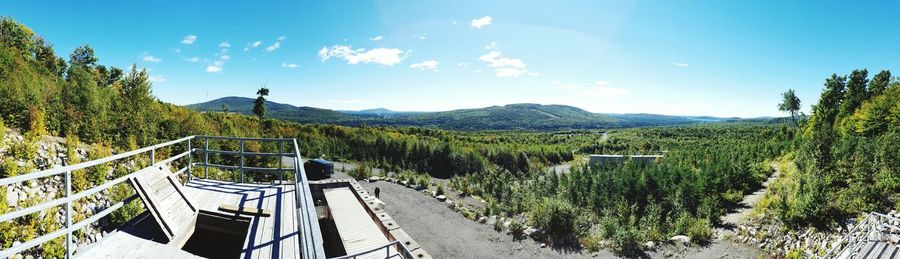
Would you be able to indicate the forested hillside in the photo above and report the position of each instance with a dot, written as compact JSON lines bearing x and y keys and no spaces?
{"x":523,"y":116}
{"x":847,"y":156}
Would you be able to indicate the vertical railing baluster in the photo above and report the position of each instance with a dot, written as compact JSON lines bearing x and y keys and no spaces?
{"x":280,"y":158}
{"x":69,"y":240}
{"x":206,"y":158}
{"x":190,"y":160}
{"x":242,"y":160}
{"x":153,"y":156}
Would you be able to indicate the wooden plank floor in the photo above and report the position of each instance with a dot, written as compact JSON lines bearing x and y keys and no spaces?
{"x":268,"y":237}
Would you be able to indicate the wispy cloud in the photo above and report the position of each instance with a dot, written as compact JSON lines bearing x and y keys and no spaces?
{"x":189,"y":39}
{"x":426,"y":65}
{"x":151,"y":59}
{"x":156,"y":79}
{"x":462,"y":64}
{"x":680,"y":64}
{"x":481,"y":22}
{"x":383,"y":56}
{"x":193,"y":59}
{"x":252,"y":45}
{"x":492,"y":45}
{"x":225,"y":57}
{"x":225,"y":45}
{"x":421,"y":37}
{"x":281,"y":38}
{"x":505,"y":67}
{"x":216,"y":67}
{"x":376,"y":38}
{"x":273,"y":47}
{"x":289,"y":65}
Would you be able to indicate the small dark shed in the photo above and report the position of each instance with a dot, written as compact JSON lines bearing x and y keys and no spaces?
{"x":317,"y":169}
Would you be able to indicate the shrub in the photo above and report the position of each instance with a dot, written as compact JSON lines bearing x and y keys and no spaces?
{"x":23,"y":150}
{"x":440,"y":190}
{"x":9,"y":168}
{"x":361,"y":172}
{"x":517,"y":229}
{"x":626,"y":242}
{"x":700,"y":231}
{"x":127,"y":212}
{"x":556,"y":216}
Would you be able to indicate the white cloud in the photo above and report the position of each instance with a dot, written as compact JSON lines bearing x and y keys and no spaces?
{"x":151,"y":59}
{"x":253,"y":45}
{"x":157,"y":79}
{"x":680,"y":64}
{"x":506,"y":67}
{"x":383,"y":56}
{"x":225,"y":57}
{"x":481,"y":22}
{"x":421,"y":37}
{"x":177,"y":50}
{"x":193,"y":59}
{"x":426,"y":65}
{"x":289,"y":65}
{"x":492,"y":45}
{"x":462,"y":64}
{"x":225,"y":45}
{"x":377,"y":38}
{"x":273,"y":47}
{"x":189,"y":39}
{"x":216,"y":67}
{"x":282,"y":38}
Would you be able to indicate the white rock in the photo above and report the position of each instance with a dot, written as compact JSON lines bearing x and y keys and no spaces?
{"x":12,"y":199}
{"x":441,"y":198}
{"x":681,"y":239}
{"x":650,"y":245}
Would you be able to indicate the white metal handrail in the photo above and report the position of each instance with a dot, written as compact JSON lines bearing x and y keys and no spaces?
{"x":873,"y":222}
{"x":311,"y":241}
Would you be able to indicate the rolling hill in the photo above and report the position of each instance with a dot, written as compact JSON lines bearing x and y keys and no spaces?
{"x":524,"y":116}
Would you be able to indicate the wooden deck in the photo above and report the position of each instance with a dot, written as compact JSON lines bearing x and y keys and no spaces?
{"x":268,"y":237}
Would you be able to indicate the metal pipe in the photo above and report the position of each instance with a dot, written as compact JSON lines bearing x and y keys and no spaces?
{"x":280,"y":166}
{"x":206,"y":158}
{"x":242,"y":160}
{"x":189,"y":163}
{"x":69,"y":215}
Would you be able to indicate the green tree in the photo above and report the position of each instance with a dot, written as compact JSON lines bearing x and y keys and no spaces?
{"x":83,"y":56}
{"x":259,"y":106}
{"x":880,"y":82}
{"x":856,"y":91}
{"x":791,"y":104}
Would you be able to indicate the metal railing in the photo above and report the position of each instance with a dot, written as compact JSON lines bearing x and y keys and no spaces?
{"x":311,"y":238}
{"x":402,"y":252}
{"x":874,"y":227}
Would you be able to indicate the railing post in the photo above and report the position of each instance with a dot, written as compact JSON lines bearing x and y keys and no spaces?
{"x":153,"y":156}
{"x":388,"y":255}
{"x":242,"y":160}
{"x":69,"y":215}
{"x":190,"y":159}
{"x":206,"y":159}
{"x":280,"y":158}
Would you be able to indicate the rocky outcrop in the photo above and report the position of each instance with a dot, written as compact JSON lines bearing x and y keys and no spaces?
{"x":51,"y":152}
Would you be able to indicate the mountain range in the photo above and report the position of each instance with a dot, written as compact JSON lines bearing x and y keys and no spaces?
{"x":523,"y":116}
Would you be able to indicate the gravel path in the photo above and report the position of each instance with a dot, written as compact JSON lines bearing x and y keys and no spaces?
{"x":746,"y":206}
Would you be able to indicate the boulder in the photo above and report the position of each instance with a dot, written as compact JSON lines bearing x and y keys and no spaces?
{"x":680,"y":239}
{"x":441,"y":198}
{"x":650,"y":245}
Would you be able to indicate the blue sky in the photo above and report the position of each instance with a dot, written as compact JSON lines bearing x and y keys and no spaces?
{"x":721,"y":58}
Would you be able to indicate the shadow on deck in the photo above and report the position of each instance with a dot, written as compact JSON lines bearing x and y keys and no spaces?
{"x":267,"y":237}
